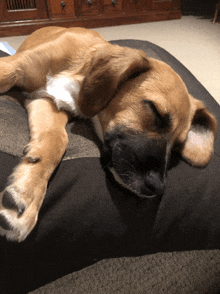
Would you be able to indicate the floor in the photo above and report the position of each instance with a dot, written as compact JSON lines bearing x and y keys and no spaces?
{"x":193,"y":40}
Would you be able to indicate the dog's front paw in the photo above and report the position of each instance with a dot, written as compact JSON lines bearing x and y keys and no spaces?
{"x":18,"y":213}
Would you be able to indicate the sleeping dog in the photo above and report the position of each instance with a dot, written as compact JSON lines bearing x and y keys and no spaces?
{"x":141,"y":110}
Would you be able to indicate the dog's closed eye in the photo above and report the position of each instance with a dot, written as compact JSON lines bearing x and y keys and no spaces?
{"x":162,"y":121}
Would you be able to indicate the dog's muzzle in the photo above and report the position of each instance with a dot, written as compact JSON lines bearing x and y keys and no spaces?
{"x":137,"y":162}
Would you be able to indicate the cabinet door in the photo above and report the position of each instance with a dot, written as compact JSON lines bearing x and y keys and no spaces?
{"x":88,"y":7}
{"x":61,"y":8}
{"x":112,"y":6}
{"x":11,"y":10}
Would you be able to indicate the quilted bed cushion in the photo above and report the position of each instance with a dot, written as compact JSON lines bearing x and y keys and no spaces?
{"x":87,"y":216}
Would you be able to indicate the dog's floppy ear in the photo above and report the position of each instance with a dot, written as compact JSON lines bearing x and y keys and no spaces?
{"x":198,"y":147}
{"x":109,"y":68}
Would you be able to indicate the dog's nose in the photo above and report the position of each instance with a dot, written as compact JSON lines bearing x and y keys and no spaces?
{"x":150,"y":192}
{"x":153,"y":185}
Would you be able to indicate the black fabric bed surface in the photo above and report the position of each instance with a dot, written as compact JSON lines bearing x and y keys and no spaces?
{"x":87,"y":216}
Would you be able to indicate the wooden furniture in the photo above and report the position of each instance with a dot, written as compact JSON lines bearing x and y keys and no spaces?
{"x":21,"y":17}
{"x":216,"y":11}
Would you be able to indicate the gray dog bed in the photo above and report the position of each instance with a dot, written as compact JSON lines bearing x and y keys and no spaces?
{"x":96,"y":237}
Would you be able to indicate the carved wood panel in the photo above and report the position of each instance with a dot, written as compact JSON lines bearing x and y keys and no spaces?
{"x":11,"y":10}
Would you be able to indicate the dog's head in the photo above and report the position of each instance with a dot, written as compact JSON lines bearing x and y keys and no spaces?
{"x":145,"y":111}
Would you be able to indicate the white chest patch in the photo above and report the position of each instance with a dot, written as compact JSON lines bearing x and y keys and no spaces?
{"x":64,"y":92}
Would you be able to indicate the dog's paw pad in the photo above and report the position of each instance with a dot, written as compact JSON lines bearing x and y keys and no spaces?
{"x":11,"y":201}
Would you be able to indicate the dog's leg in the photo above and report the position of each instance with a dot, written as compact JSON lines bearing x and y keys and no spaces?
{"x":21,"y":200}
{"x":9,"y":76}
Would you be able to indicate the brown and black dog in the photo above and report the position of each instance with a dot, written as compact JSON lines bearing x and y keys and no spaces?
{"x":141,"y":110}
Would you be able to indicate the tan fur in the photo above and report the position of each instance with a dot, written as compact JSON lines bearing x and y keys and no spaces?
{"x":113,"y":83}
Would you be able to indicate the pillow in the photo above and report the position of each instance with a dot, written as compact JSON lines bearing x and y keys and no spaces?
{"x":86,"y":216}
